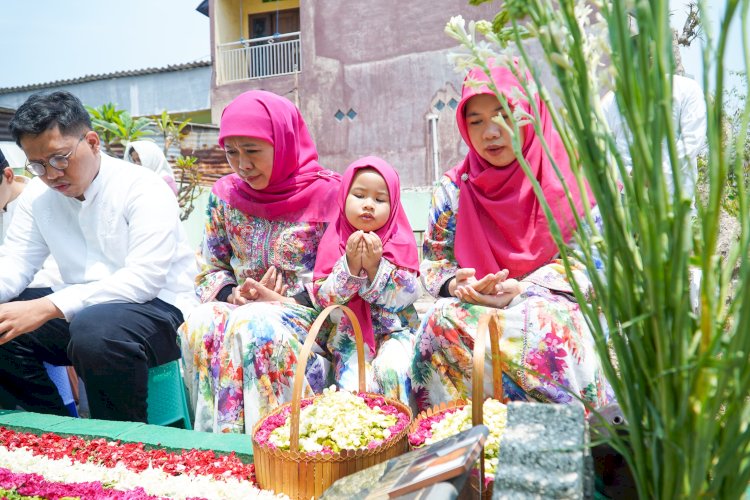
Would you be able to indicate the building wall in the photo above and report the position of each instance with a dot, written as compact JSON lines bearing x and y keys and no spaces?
{"x":387,"y":62}
{"x":226,"y":24}
{"x":221,"y":96}
{"x":258,"y":6}
{"x":230,"y":16}
{"x":181,"y":91}
{"x":5,"y":117}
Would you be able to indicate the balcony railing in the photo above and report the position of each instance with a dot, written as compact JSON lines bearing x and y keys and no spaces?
{"x":259,"y":58}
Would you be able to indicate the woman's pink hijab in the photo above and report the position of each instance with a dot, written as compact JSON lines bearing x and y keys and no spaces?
{"x":399,"y":246}
{"x":500,"y":223}
{"x":299,"y":188}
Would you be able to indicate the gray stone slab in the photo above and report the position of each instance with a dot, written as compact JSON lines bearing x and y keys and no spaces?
{"x":544,"y":453}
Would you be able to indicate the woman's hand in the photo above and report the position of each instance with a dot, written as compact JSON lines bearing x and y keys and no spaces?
{"x":493,"y":290}
{"x":262,"y":293}
{"x":373,"y":252}
{"x":272,"y":280}
{"x":354,"y":248}
{"x":507,"y":290}
{"x":490,"y":284}
{"x":237,"y":298}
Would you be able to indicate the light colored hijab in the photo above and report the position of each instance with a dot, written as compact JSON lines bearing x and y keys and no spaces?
{"x":500,"y":223}
{"x":299,"y":188}
{"x":399,"y":245}
{"x":151,"y":157}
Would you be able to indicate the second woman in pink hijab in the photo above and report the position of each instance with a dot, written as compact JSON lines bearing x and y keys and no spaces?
{"x":488,"y":251}
{"x":264,"y":223}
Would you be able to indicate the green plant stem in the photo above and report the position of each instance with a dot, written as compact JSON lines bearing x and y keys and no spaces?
{"x":681,"y":379}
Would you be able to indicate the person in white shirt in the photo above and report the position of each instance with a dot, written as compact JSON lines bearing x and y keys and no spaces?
{"x":689,"y":119}
{"x":149,"y":155}
{"x":690,"y":122}
{"x":11,"y":187}
{"x":126,"y":268}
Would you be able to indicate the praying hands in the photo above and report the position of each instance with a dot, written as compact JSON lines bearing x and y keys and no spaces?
{"x":270,"y":288}
{"x":364,"y":251}
{"x":493,"y":290}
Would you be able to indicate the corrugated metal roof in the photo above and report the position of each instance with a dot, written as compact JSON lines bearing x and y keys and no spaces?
{"x":212,"y":162}
{"x":203,"y":143}
{"x":106,"y":76}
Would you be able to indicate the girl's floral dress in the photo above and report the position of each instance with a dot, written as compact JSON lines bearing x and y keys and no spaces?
{"x":239,"y":360}
{"x":391,"y":296}
{"x":545,"y":342}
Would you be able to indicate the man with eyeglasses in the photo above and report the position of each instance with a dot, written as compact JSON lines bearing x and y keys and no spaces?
{"x":127,"y":271}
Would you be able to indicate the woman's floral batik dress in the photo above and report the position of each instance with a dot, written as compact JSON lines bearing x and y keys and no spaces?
{"x":547,"y":349}
{"x":239,"y":360}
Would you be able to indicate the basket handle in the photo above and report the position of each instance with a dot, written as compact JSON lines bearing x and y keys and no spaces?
{"x":299,"y":374}
{"x":488,"y":321}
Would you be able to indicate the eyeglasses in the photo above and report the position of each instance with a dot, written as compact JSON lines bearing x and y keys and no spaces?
{"x":58,"y":162}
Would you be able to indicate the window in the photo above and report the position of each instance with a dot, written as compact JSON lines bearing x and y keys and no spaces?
{"x":270,"y":49}
{"x":270,"y":23}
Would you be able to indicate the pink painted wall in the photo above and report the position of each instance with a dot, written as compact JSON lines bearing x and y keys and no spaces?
{"x":386,"y":61}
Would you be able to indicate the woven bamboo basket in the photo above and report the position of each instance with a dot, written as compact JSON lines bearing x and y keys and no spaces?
{"x":301,"y":475}
{"x":487,"y":322}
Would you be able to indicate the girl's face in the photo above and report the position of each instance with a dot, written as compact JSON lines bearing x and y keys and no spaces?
{"x":368,"y":204}
{"x":134,"y":157}
{"x":251,"y":159}
{"x":491,"y":141}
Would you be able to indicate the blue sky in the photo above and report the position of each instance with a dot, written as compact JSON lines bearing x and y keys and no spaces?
{"x":692,"y":56}
{"x":48,"y":40}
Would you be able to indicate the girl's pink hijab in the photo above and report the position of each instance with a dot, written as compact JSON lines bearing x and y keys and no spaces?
{"x":399,"y":246}
{"x":500,"y":223}
{"x":299,"y":189}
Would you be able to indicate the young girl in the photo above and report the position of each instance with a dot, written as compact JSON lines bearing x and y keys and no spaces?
{"x":368,"y":260}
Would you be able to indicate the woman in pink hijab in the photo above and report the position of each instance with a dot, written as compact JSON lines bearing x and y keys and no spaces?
{"x":368,"y":260}
{"x":264,"y":223}
{"x":488,"y":250}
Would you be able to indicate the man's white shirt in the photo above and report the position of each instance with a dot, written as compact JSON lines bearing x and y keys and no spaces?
{"x":48,"y":276}
{"x":689,"y":117}
{"x":123,"y":243}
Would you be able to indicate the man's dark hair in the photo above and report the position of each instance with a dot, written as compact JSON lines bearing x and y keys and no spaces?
{"x":3,"y":165}
{"x":42,"y":112}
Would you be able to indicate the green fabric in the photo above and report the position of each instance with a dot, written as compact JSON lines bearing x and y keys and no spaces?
{"x":134,"y":432}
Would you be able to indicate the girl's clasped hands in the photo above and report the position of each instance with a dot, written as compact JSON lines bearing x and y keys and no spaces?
{"x":363,"y":252}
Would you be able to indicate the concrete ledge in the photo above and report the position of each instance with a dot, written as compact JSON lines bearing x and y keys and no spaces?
{"x":133,"y":432}
{"x":544,"y":454}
